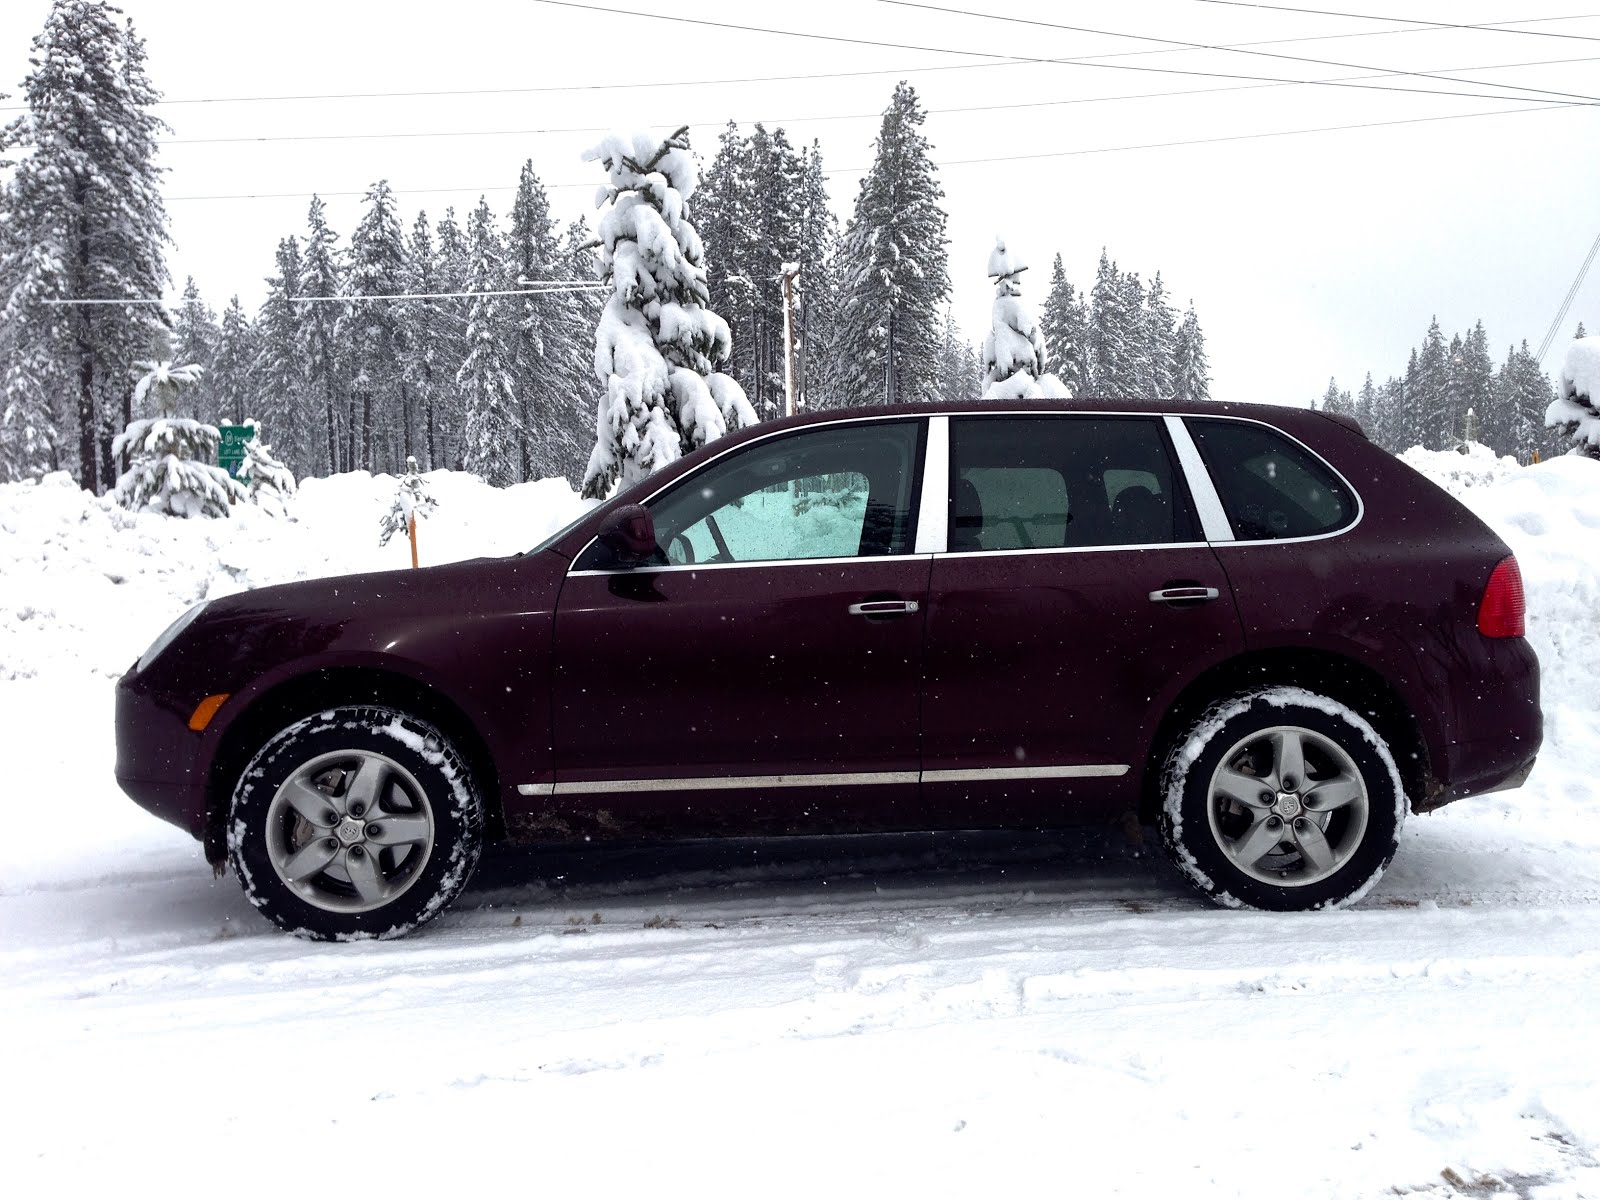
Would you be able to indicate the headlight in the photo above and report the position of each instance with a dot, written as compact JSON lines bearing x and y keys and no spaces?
{"x":170,"y":636}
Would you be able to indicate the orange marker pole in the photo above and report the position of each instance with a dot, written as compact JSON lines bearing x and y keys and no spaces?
{"x":411,"y":528}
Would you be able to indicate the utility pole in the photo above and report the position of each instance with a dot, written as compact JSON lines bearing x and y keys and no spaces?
{"x":790,"y":270}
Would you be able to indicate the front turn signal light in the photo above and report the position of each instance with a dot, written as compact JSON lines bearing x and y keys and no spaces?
{"x":205,"y":710}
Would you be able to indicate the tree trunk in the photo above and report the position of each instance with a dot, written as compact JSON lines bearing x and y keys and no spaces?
{"x":333,"y":427}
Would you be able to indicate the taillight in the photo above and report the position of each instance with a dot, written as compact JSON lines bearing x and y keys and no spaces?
{"x":1501,"y":612}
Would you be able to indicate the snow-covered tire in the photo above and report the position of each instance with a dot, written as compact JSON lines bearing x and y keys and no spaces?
{"x":1281,"y":799}
{"x":356,"y":822}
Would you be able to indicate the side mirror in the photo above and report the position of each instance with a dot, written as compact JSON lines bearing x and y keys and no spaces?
{"x":630,"y":534}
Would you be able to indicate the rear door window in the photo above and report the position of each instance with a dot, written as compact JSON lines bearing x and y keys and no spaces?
{"x":1270,"y":486}
{"x":1050,"y":483}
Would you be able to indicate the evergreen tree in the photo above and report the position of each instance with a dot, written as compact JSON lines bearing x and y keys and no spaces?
{"x":658,"y":345}
{"x":1576,"y":409}
{"x":1065,"y":325}
{"x":268,"y":481}
{"x":1159,"y":338}
{"x":574,"y":418}
{"x":84,"y":220}
{"x":1014,"y":353}
{"x":896,"y":265}
{"x":1111,"y":359}
{"x":278,"y":377}
{"x":373,"y":332}
{"x":1428,"y":391}
{"x":167,"y":472}
{"x":452,"y":273}
{"x":534,"y":256}
{"x":816,"y":290}
{"x":488,"y":440}
{"x":959,"y":375}
{"x":1522,"y":396}
{"x":1367,"y":407}
{"x":1191,"y":370}
{"x":321,"y":344}
{"x":426,"y":325}
{"x":232,"y":362}
{"x":1411,"y":417}
{"x":194,"y":340}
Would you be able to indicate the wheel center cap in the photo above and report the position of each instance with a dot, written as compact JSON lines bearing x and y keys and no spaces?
{"x":350,"y":831}
{"x":1288,"y":805}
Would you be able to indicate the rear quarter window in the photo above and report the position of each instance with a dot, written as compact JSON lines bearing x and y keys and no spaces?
{"x":1270,"y":486}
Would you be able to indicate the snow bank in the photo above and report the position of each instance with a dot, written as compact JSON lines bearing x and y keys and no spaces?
{"x":86,"y":585}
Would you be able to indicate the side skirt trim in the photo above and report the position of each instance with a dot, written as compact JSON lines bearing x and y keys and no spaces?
{"x":843,"y":779}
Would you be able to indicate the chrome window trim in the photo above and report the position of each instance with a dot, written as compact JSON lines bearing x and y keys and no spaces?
{"x":1071,"y":549}
{"x":756,"y":441}
{"x":668,"y":568}
{"x":933,"y":516}
{"x":1361,"y":505}
{"x":709,"y":783}
{"x":1214,"y":524}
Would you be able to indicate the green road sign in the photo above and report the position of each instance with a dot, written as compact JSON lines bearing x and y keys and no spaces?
{"x":231,"y":452}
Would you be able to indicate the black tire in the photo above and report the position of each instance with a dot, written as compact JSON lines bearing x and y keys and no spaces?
{"x":400,"y":846}
{"x":1329,"y":854}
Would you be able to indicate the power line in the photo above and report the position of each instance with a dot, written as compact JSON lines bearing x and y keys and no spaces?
{"x":1186,"y":45}
{"x":844,"y":39}
{"x":1282,"y":133}
{"x":784,"y":121}
{"x":1488,"y":27}
{"x":554,"y":287}
{"x":1566,"y":304}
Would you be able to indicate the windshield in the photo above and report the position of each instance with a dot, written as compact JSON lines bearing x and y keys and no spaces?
{"x":589,"y":509}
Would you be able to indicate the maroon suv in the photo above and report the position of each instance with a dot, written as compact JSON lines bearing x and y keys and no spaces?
{"x":1247,"y":624}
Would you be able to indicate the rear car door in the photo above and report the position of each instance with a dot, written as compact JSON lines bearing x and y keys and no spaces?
{"x":764,"y":676}
{"x":1074,"y":598}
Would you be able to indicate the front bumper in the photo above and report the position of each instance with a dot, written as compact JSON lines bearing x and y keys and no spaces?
{"x":157,"y":757}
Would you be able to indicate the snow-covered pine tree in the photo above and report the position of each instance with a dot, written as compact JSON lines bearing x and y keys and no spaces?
{"x":658,"y":346}
{"x":1191,"y":369}
{"x":489,"y":435}
{"x":194,"y":340}
{"x":1014,"y":352}
{"x":533,"y":255}
{"x":269,"y":482}
{"x":1158,"y":337}
{"x":959,"y":376}
{"x":896,"y":265}
{"x":167,"y":472}
{"x":1575,"y":411}
{"x":85,"y":220}
{"x":231,"y":363}
{"x":373,"y":331}
{"x":278,"y":378}
{"x":412,"y":502}
{"x":575,"y":388}
{"x":1367,"y":406}
{"x":1065,"y":326}
{"x":452,"y":273}
{"x":817,"y":299}
{"x":1110,"y":331}
{"x":321,"y":346}
{"x":724,"y":205}
{"x":1139,"y":374}
{"x":1428,"y":392}
{"x":1522,"y":396}
{"x":425,"y":329}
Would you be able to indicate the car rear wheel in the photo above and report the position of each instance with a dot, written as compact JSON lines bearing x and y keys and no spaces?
{"x":1281,"y":799}
{"x":355,"y":822}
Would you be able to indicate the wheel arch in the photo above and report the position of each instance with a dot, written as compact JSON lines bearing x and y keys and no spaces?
{"x":1336,"y":676}
{"x":329,"y":687}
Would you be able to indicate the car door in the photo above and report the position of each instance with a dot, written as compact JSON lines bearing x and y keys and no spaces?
{"x":764,"y":675}
{"x":1075,"y":596}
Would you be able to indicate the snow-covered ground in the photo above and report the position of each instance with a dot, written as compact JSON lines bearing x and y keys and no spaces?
{"x":891,"y":1016}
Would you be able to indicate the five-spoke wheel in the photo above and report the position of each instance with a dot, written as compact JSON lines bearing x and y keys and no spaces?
{"x":355,"y":822}
{"x":1282,"y":800}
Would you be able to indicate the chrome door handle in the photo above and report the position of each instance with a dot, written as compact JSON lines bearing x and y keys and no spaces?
{"x":1178,"y":595}
{"x":884,"y":608}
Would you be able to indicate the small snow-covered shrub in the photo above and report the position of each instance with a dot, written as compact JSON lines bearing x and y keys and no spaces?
{"x":269,"y":482}
{"x":1576,"y":410}
{"x":167,"y":474}
{"x":1014,"y":352}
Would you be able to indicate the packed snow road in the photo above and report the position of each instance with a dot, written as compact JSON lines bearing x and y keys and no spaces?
{"x":884,"y":1016}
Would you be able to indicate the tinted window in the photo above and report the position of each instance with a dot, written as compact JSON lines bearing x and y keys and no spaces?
{"x":1270,"y":487}
{"x":829,"y":493}
{"x":1021,"y":483}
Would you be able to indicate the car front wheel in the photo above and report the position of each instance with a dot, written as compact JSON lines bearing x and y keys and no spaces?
{"x":1281,"y":799}
{"x":355,"y":822}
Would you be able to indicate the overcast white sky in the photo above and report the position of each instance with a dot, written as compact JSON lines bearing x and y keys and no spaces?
{"x":1305,"y":256}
